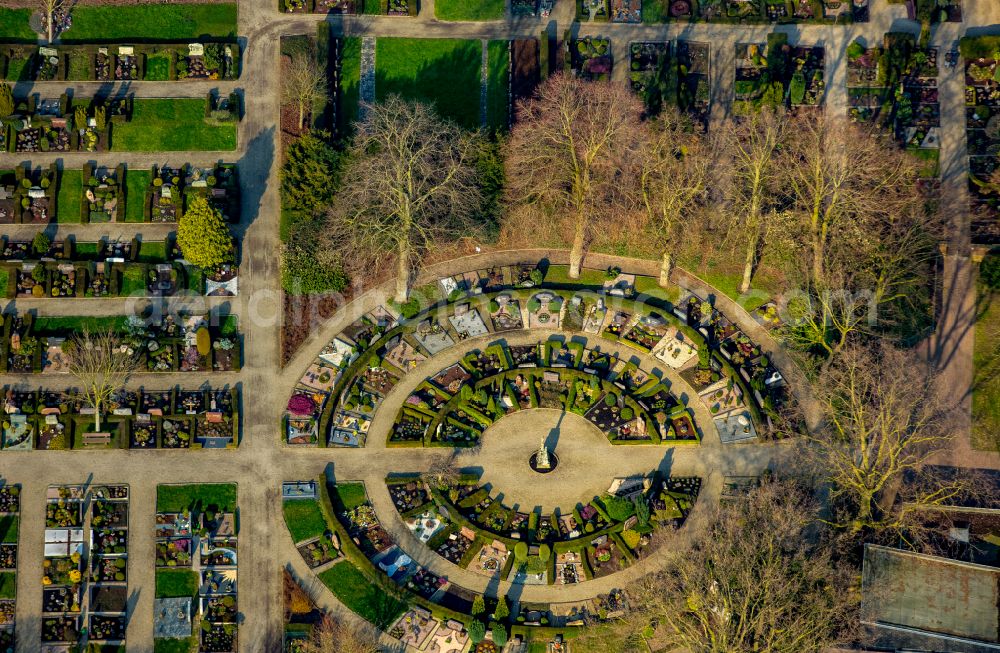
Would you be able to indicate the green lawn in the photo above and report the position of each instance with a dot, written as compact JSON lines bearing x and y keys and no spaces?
{"x":152,"y":251}
{"x":59,"y":325}
{"x":304,"y":518}
{"x":14,"y":25}
{"x":929,"y":158}
{"x":136,"y":183}
{"x":88,"y":249}
{"x":352,"y":495}
{"x":726,"y":276}
{"x":151,"y":21}
{"x":172,"y":645}
{"x":468,"y":9}
{"x":195,"y":279}
{"x":8,"y":584}
{"x":158,"y":67}
{"x":175,"y":498}
{"x":558,"y":275}
{"x":349,"y":93}
{"x":497,"y":84}
{"x":171,"y":125}
{"x":986,"y":389}
{"x":18,"y":70}
{"x":69,"y":196}
{"x":80,"y":66}
{"x":655,"y":11}
{"x":174,"y":583}
{"x":361,"y":595}
{"x":444,"y":72}
{"x":650,"y":287}
{"x":8,"y":529}
{"x":134,"y":280}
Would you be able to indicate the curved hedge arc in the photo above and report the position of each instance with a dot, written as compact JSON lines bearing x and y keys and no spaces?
{"x":627,"y":413}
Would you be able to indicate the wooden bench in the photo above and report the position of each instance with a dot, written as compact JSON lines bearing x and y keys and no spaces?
{"x":96,"y":438}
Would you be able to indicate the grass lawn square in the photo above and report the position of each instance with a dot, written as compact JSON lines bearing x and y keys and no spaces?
{"x":134,"y":281}
{"x":136,"y":183}
{"x":8,"y":584}
{"x":158,"y":68}
{"x":304,"y":518}
{"x":445,"y":72}
{"x":14,"y":25}
{"x":172,"y":125}
{"x":69,"y":197}
{"x":152,"y":251}
{"x":468,"y":9}
{"x":171,"y":21}
{"x":176,"y":583}
{"x":497,"y":84}
{"x":361,"y":595}
{"x":352,"y":495}
{"x":174,"y":645}
{"x":175,"y":498}
{"x":986,"y":385}
{"x":655,"y":11}
{"x":79,"y":67}
{"x":8,"y":529}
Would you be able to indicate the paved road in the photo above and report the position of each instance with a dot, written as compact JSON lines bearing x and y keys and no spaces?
{"x":261,"y":463}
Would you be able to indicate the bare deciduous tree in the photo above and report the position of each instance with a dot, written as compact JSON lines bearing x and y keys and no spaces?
{"x":410,"y":184}
{"x":751,"y":212}
{"x":102,"y":364}
{"x":564,"y":157}
{"x":332,"y":635}
{"x":753,"y":582}
{"x":673,"y":171}
{"x":443,"y":474}
{"x":862,"y":239}
{"x":304,"y":85}
{"x":884,"y":423}
{"x":841,"y":177}
{"x":50,"y":7}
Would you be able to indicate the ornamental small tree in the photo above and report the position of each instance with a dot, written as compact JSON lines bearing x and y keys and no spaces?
{"x":477,"y":631}
{"x":102,"y":366}
{"x":521,"y":552}
{"x":478,"y":605}
{"x":544,"y":552}
{"x":203,"y":235}
{"x":502,"y":611}
{"x":499,"y":634}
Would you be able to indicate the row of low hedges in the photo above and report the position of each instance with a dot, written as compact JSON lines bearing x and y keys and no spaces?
{"x":76,"y":426}
{"x":354,"y":555}
{"x":408,"y":325}
{"x":173,"y":343}
{"x":78,"y":62}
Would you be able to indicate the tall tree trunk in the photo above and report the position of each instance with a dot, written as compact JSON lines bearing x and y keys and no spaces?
{"x":817,"y":264}
{"x":666,"y":267}
{"x":97,"y":416}
{"x":49,"y":29}
{"x":302,"y":113}
{"x":403,"y":275}
{"x":576,"y":253}
{"x":748,"y":266}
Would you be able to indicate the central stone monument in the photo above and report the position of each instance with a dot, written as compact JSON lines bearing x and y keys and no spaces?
{"x":543,"y":461}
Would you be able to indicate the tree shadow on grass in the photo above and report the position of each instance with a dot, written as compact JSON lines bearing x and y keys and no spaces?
{"x":450,"y":82}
